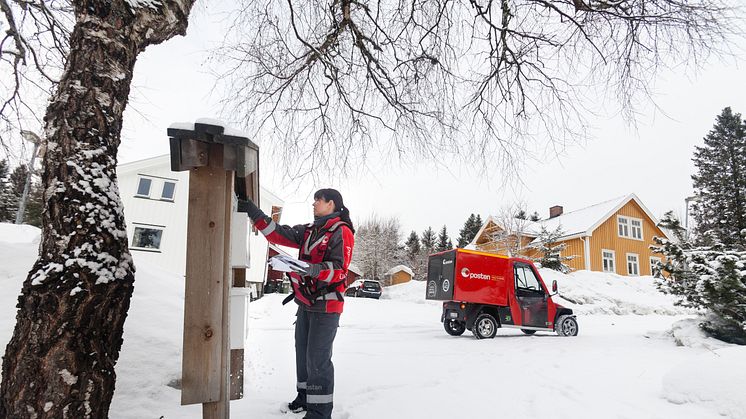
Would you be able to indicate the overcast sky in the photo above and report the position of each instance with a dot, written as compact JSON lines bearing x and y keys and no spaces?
{"x":653,"y":160}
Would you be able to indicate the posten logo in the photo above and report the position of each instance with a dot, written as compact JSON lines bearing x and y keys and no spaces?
{"x":468,"y":274}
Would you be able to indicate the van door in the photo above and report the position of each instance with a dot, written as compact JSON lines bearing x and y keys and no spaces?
{"x":531,"y":296}
{"x":440,"y":270}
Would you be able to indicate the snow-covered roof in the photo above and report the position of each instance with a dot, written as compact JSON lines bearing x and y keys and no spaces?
{"x":355,"y":269}
{"x":576,"y":223}
{"x":400,"y":268}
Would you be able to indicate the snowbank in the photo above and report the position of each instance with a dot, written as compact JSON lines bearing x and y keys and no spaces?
{"x":605,"y":293}
{"x":583,"y":291}
{"x":411,"y":292}
{"x":23,"y":233}
{"x":713,"y":379}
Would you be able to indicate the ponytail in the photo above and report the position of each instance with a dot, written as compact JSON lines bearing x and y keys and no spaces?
{"x":339,"y":206}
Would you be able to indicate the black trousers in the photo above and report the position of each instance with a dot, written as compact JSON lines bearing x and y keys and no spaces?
{"x":314,"y":338}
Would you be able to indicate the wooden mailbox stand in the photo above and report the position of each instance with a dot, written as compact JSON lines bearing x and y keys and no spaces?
{"x":221,"y":165}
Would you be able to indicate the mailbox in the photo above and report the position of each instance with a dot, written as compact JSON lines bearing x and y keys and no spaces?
{"x":223,"y":165}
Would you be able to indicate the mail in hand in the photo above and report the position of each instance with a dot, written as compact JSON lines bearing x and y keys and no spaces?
{"x":284,"y":263}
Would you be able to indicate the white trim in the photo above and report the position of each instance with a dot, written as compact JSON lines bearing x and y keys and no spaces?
{"x":140,"y":178}
{"x":650,"y":261}
{"x":163,"y":187}
{"x":587,"y":252}
{"x":630,"y":197}
{"x":613,"y":260}
{"x":626,"y":262}
{"x":148,"y":227}
{"x":481,"y":230}
{"x":628,"y":223}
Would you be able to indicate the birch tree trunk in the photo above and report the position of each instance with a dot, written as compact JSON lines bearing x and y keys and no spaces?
{"x":60,"y":360}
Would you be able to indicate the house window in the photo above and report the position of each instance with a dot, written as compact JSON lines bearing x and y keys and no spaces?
{"x":168,"y":191}
{"x":654,"y":261}
{"x":633,"y":264}
{"x":147,"y":238}
{"x":143,"y":187}
{"x":607,"y":257}
{"x":636,"y":228}
{"x":629,"y":227}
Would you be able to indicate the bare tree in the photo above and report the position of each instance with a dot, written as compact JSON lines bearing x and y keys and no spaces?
{"x":509,"y":234}
{"x":71,"y":311}
{"x":377,"y":246}
{"x":332,"y":80}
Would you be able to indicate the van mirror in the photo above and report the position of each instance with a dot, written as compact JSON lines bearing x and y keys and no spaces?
{"x":554,"y":287}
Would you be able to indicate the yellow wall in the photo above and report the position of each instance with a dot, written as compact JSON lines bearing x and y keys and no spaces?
{"x":606,"y":236}
{"x":400,"y":278}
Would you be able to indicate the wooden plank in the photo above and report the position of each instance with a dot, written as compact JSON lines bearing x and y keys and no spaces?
{"x":204,"y":311}
{"x":237,"y":374}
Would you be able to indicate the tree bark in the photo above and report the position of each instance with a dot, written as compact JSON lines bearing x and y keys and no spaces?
{"x":71,"y":311}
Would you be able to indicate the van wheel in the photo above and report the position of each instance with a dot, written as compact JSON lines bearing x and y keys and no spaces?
{"x":528,"y":331}
{"x":566,"y":326}
{"x":485,"y":326}
{"x":454,"y":327}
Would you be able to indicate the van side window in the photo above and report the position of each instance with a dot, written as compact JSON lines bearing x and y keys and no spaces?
{"x":526,"y":279}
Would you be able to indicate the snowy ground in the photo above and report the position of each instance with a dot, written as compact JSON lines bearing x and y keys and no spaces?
{"x":637,"y":356}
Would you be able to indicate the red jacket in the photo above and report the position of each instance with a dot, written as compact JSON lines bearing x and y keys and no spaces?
{"x":327,"y":244}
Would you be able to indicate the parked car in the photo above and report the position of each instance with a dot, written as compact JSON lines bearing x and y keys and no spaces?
{"x":365,"y":288}
{"x":482,"y":292}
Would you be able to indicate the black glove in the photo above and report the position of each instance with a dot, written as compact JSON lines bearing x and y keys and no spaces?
{"x":249,"y":207}
{"x":313,"y":270}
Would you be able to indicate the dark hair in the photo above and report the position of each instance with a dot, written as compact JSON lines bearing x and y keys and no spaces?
{"x":339,"y":206}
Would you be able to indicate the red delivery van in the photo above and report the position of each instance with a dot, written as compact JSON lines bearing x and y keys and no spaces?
{"x":483,"y":292}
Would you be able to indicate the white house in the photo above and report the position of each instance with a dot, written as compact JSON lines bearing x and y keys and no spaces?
{"x":155,"y":206}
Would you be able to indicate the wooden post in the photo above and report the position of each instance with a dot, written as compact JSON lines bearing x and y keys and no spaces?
{"x":208,"y":278}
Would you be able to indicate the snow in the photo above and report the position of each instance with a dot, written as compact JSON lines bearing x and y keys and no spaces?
{"x":189,"y":126}
{"x":24,"y":233}
{"x":393,"y":358}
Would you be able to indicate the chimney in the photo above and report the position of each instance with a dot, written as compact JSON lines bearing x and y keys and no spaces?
{"x":555,"y":211}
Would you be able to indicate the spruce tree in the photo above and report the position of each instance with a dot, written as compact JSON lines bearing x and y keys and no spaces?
{"x":705,"y":277}
{"x":551,"y":250}
{"x":7,"y":197}
{"x":428,"y":241}
{"x":534,"y":217}
{"x":444,"y":242}
{"x":413,"y":254}
{"x":720,"y":184}
{"x":469,"y":231}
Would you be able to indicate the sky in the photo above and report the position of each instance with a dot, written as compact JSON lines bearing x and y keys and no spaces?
{"x":652,"y":159}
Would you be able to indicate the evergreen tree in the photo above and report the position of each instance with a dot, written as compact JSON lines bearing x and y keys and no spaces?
{"x":34,"y":205}
{"x":534,"y":217}
{"x":413,"y":254}
{"x":18,"y":180}
{"x":551,"y":250}
{"x":428,"y":241}
{"x":720,"y":184}
{"x":8,"y":200}
{"x":470,"y":230}
{"x":521,"y":215}
{"x":444,"y":242}
{"x":705,"y":277}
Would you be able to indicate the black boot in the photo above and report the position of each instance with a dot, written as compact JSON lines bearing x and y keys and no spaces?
{"x":297,"y":405}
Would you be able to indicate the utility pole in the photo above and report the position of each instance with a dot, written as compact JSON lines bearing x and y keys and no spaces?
{"x":31,"y":137}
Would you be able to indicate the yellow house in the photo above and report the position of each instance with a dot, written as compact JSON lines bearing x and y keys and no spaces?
{"x":611,"y":236}
{"x":398,"y":275}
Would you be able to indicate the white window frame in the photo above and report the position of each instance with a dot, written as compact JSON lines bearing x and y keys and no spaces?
{"x":631,"y":228}
{"x":628,"y":227}
{"x":173,"y":197}
{"x":613,"y":260}
{"x":637,"y":261}
{"x":149,"y":227}
{"x":140,"y":178}
{"x":653,"y":259}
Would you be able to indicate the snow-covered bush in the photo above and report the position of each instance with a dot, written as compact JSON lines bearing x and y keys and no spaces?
{"x":551,"y":249}
{"x":711,"y":278}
